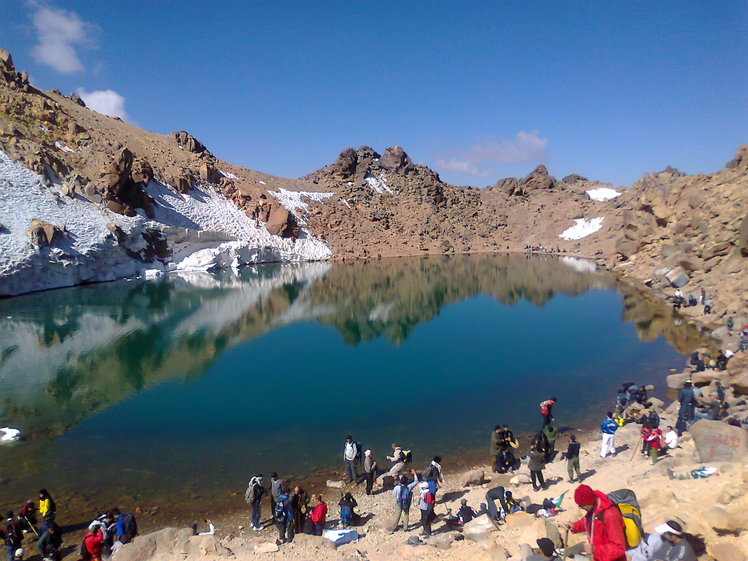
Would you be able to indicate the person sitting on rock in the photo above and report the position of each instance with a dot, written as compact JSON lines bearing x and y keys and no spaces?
{"x":464,"y":515}
{"x":546,"y":551}
{"x":505,"y":461}
{"x":671,"y":438}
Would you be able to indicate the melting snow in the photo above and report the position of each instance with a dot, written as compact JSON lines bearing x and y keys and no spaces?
{"x":227,"y":174}
{"x":60,"y":146}
{"x":602,"y":194}
{"x":582,"y":228}
{"x":377,"y":184}
{"x":291,"y":200}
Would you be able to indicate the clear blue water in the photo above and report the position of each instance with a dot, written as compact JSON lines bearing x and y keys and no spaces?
{"x":181,"y":387}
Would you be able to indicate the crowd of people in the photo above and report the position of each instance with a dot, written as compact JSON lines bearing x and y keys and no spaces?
{"x":36,"y":524}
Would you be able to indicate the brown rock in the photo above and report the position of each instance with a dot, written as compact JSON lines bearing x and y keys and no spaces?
{"x":395,"y":159}
{"x":508,"y":185}
{"x":739,"y":161}
{"x":141,"y":172}
{"x":44,"y":234}
{"x":720,"y":248}
{"x":537,"y":179}
{"x":313,"y":542}
{"x":716,"y":441}
{"x":677,"y":277}
{"x":281,"y":222}
{"x":208,"y":173}
{"x":725,"y":551}
{"x":742,"y":241}
{"x":188,"y":142}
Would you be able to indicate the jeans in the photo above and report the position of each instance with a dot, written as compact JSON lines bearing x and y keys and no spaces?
{"x":491,"y":496}
{"x":537,"y":476}
{"x":256,"y":509}
{"x":403,"y":511}
{"x":572,"y":466}
{"x":11,"y":552}
{"x":350,"y":466}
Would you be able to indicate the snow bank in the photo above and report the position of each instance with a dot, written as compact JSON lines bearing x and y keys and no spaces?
{"x":602,"y":194}
{"x":292,"y":200}
{"x":227,"y":174}
{"x":582,"y":228}
{"x":377,"y":184}
{"x":203,"y":231}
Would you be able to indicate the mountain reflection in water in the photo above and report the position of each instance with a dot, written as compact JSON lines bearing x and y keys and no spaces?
{"x":66,"y":356}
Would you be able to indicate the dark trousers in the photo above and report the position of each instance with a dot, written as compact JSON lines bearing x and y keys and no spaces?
{"x":491,"y":497}
{"x":285,"y":530}
{"x":318,"y":528}
{"x":256,"y":509}
{"x":350,"y":467}
{"x":537,"y":479}
{"x":369,"y":482}
{"x":427,"y":517}
{"x":547,"y":418}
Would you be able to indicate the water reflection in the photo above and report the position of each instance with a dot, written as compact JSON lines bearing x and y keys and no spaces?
{"x":66,"y":354}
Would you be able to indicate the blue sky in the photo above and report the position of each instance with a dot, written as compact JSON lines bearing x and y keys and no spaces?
{"x":476,"y":90}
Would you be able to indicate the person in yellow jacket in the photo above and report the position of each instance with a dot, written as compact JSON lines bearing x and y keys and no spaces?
{"x":47,"y":510}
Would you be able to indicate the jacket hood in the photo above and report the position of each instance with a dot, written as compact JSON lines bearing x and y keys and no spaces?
{"x":603,"y":502}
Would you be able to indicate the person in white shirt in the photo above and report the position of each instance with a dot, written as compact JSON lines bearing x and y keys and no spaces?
{"x":671,"y":438}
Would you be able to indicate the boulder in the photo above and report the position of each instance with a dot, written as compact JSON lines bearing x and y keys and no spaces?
{"x":742,"y":241}
{"x":520,"y":519}
{"x":280,"y":222}
{"x":677,"y":277}
{"x":141,"y":172}
{"x":209,"y":174}
{"x":265,"y":547}
{"x":345,"y":166}
{"x":537,"y":179}
{"x":519,"y":479}
{"x":313,"y":542}
{"x":155,"y":545}
{"x":508,"y":185}
{"x":739,"y":384}
{"x":335,"y":483}
{"x":739,"y":161}
{"x":574,"y":178}
{"x":478,"y":529}
{"x":726,"y":551}
{"x":75,"y":98}
{"x":44,"y":234}
{"x":717,"y":441}
{"x":444,"y":540}
{"x":718,"y":249}
{"x":677,"y":381}
{"x":395,"y":159}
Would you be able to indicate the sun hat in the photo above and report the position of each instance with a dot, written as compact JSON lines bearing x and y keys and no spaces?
{"x":669,"y":527}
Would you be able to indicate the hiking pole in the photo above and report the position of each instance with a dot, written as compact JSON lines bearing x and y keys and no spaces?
{"x":636,"y":447}
{"x":31,"y":526}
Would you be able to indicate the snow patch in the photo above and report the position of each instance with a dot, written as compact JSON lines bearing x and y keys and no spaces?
{"x":291,"y":200}
{"x":227,"y":174}
{"x":60,"y":146}
{"x":262,"y":182}
{"x":603,"y":194}
{"x":582,"y":228}
{"x":377,"y":184}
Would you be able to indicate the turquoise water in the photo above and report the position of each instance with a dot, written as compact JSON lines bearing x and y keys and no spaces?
{"x":181,"y":387}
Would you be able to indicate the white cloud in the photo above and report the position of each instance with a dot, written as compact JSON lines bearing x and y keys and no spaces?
{"x":527,"y":146}
{"x":107,"y":102}
{"x":59,"y":34}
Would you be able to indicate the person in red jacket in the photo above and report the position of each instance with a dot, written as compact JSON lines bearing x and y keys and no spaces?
{"x":94,"y":539}
{"x":319,"y":515}
{"x":603,"y":523}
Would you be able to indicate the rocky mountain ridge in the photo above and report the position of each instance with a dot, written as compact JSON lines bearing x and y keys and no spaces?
{"x":669,"y":228}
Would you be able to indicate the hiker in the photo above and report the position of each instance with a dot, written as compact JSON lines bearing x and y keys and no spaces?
{"x":351,"y":454}
{"x":671,"y":438}
{"x":506,"y":438}
{"x":347,"y":515}
{"x":319,"y":515}
{"x":12,"y":535}
{"x":283,"y":517}
{"x":622,"y":394}
{"x":678,"y":548}
{"x":505,"y":461}
{"x":47,"y":509}
{"x":426,"y":502}
{"x":253,"y":496}
{"x":603,"y":524}
{"x":495,"y":446}
{"x":540,"y":442}
{"x":491,"y":496}
{"x":687,"y":399}
{"x":93,"y":540}
{"x":28,"y":514}
{"x":370,"y":471}
{"x":546,"y":410}
{"x":721,"y":361}
{"x":299,"y":506}
{"x":608,"y":429}
{"x":536,"y":465}
{"x":50,"y":543}
{"x":572,"y":459}
{"x":433,"y":475}
{"x":655,"y":441}
{"x":464,"y":515}
{"x":397,"y":459}
{"x":125,"y":526}
{"x":275,"y":489}
{"x":403,"y":493}
{"x":708,"y":306}
{"x":644,"y":432}
{"x":551,"y":434}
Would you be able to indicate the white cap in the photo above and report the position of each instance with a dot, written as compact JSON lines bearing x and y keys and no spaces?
{"x":367,"y":453}
{"x":666,"y":528}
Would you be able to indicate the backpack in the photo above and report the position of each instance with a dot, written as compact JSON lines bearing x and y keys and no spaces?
{"x":359,"y":451}
{"x":279,"y":515}
{"x":406,"y":455}
{"x":627,"y":503}
{"x":85,"y":555}
{"x":406,"y":496}
{"x":11,"y":537}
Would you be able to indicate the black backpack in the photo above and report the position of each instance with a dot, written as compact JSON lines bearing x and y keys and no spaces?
{"x":11,"y":537}
{"x":359,"y":451}
{"x":131,"y":528}
{"x":280,"y":514}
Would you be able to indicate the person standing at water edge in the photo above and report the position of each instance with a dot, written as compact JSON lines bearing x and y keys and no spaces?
{"x":47,"y":509}
{"x":283,"y":516}
{"x":94,"y":540}
{"x":495,"y":446}
{"x":546,"y":410}
{"x":253,"y":496}
{"x":370,"y":471}
{"x":300,"y":506}
{"x":426,"y":503}
{"x":397,"y":459}
{"x":275,"y":489}
{"x":603,"y":524}
{"x":50,"y":543}
{"x":572,"y":459}
{"x":350,"y":454}
{"x":608,"y":429}
{"x":403,"y":493}
{"x":433,"y":475}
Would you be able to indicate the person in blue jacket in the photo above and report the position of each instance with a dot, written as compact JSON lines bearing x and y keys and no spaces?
{"x":608,"y":429}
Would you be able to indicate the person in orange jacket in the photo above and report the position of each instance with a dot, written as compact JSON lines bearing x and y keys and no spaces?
{"x":603,"y":523}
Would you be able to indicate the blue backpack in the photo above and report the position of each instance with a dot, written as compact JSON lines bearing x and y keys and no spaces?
{"x":406,"y":496}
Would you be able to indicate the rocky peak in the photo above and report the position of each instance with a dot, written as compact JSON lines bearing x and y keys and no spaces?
{"x":188,"y":142}
{"x":574,"y":178}
{"x":395,"y":159}
{"x":740,"y":161}
{"x":536,"y":179}
{"x":8,"y":74}
{"x":6,"y":61}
